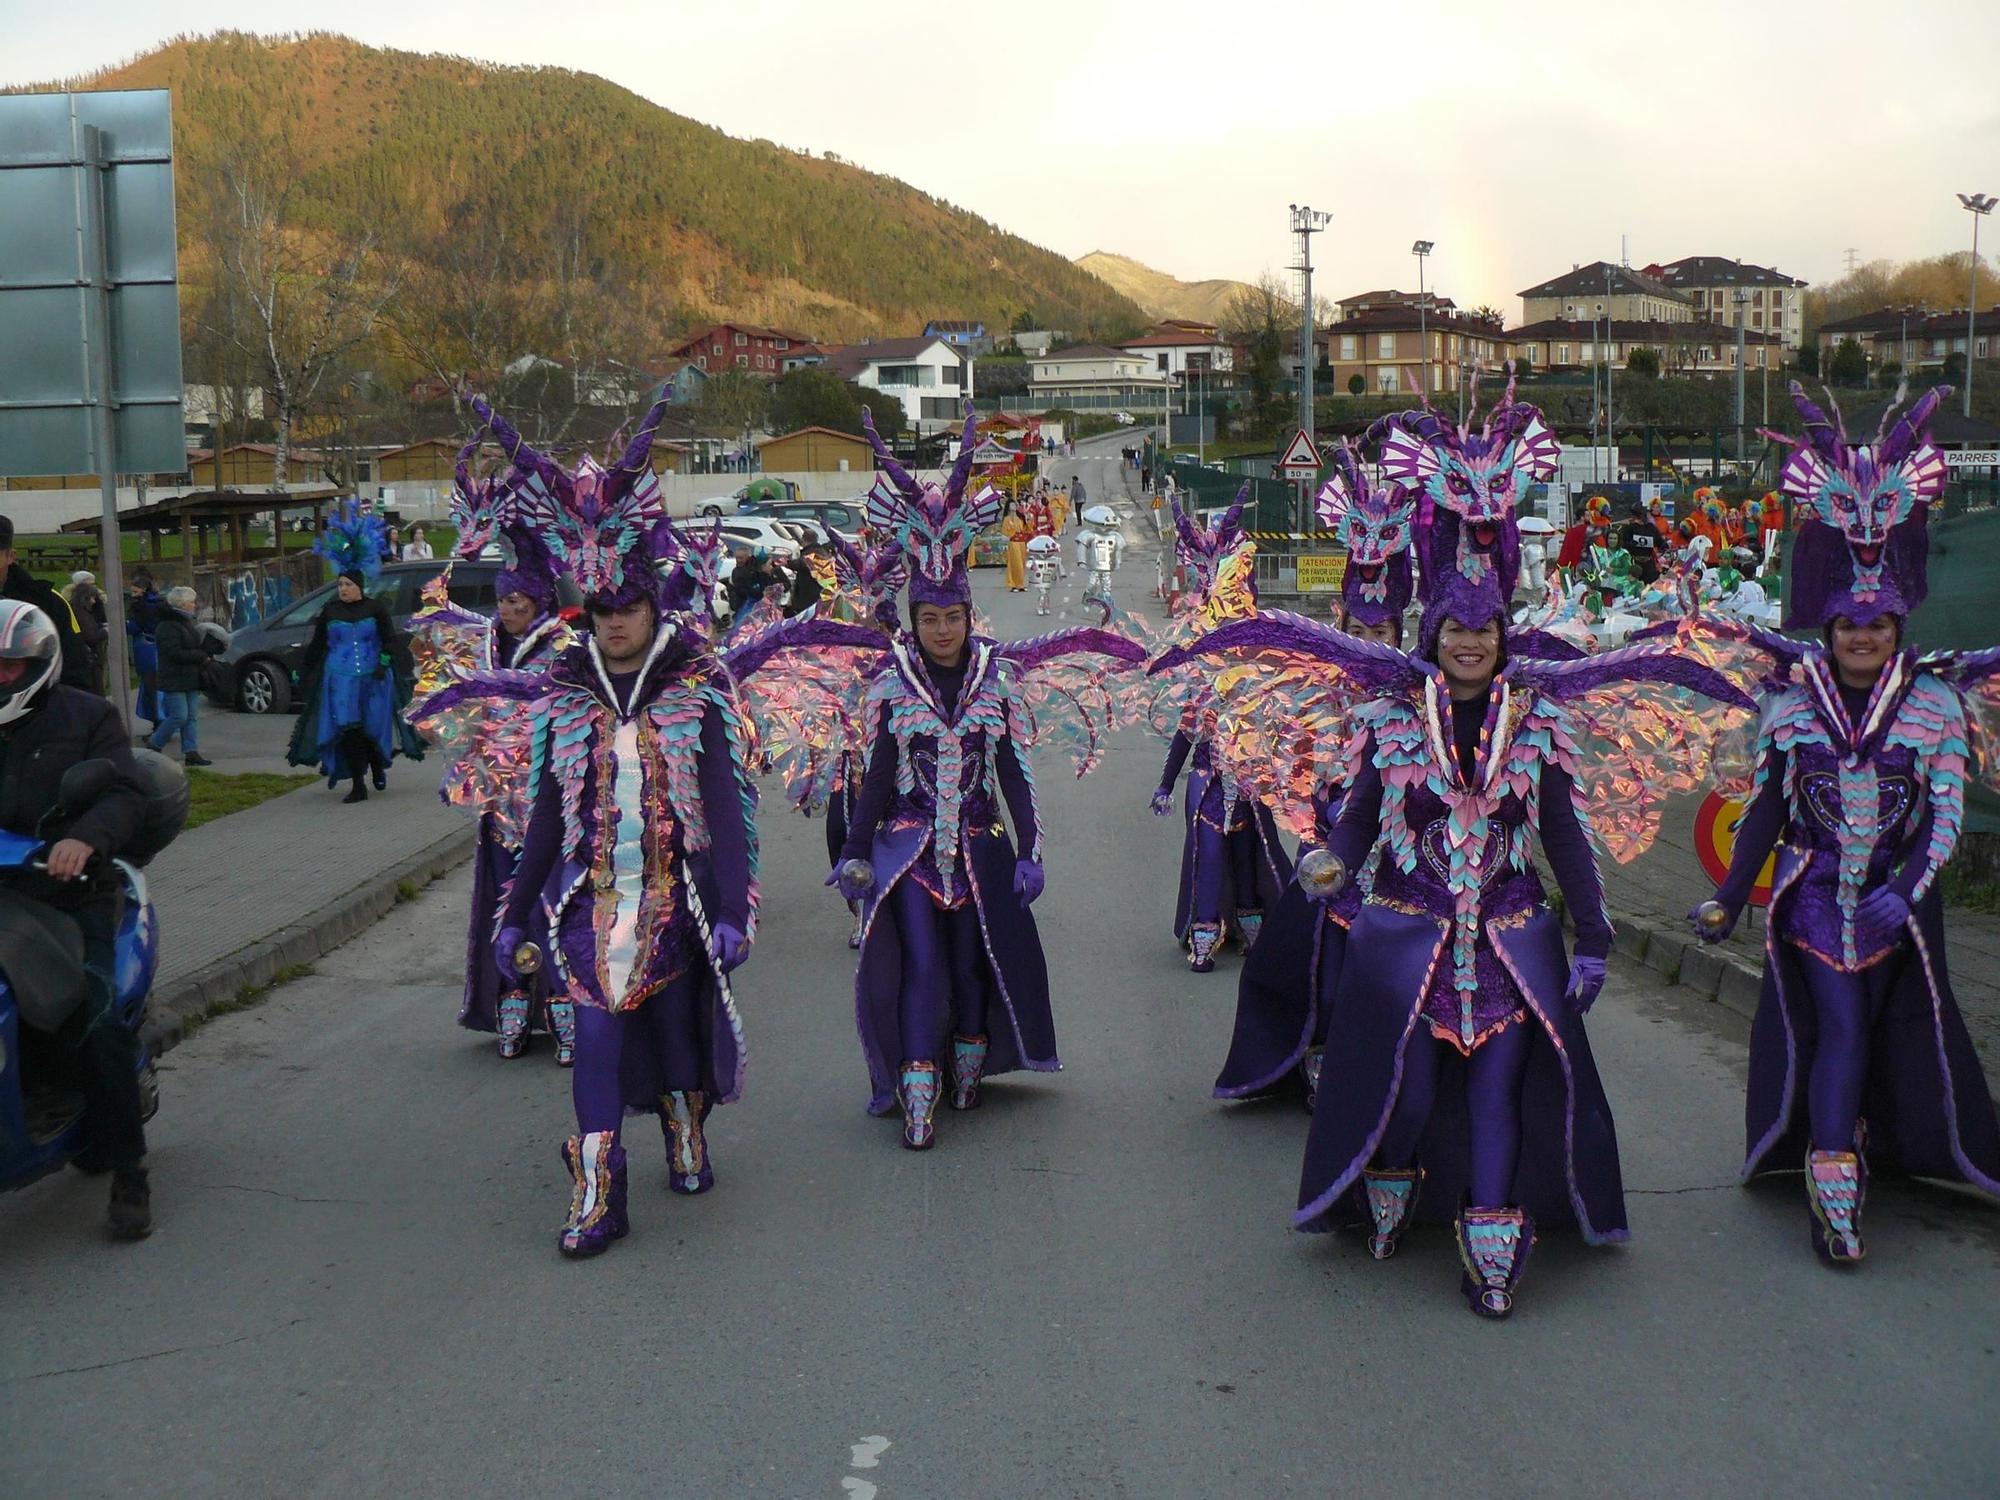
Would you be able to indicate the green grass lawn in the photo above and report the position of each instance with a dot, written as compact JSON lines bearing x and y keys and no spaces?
{"x":214,"y":794}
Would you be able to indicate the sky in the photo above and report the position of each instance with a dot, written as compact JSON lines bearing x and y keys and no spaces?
{"x":1521,"y":138}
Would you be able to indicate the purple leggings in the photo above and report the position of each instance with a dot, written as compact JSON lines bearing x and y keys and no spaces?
{"x":667,"y":1021}
{"x":1493,"y":1076}
{"x":1221,"y":859}
{"x":944,"y":959}
{"x":1845,"y":1008}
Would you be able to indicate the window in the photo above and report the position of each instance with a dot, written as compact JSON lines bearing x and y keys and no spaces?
{"x":472,"y":591}
{"x":742,"y":361}
{"x":742,"y":339}
{"x":1979,"y":350}
{"x":1385,"y":381}
{"x":939,"y":408}
{"x":717,"y":348}
{"x":701,"y":361}
{"x":1437,"y":346}
{"x":1562,"y":354}
{"x":782,"y":343}
{"x":1385,"y":346}
{"x":907,"y":375}
{"x":954,"y":374}
{"x":1706,"y":355}
{"x":1163,"y":362}
{"x":1350,"y":346}
{"x":1588,"y":354}
{"x":1756,"y":320}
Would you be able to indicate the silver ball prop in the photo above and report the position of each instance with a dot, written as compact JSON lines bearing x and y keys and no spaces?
{"x":527,"y":959}
{"x":1321,"y":873}
{"x":858,"y":874}
{"x":1712,"y":918}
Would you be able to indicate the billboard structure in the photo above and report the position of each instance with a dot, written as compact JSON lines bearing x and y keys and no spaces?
{"x":90,"y":302}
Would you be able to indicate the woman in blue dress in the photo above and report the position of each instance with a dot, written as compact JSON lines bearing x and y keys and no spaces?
{"x":351,"y":725}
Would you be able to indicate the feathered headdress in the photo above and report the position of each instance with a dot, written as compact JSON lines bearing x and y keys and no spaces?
{"x":934,"y":527}
{"x":354,"y":541}
{"x":873,"y":578}
{"x":600,"y":522}
{"x":1202,"y":548}
{"x":1862,"y":549}
{"x":691,"y":561}
{"x":1376,"y":527}
{"x":479,"y":504}
{"x":1468,"y":484}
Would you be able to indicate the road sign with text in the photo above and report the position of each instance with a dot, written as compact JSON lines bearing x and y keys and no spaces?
{"x":1301,"y":458}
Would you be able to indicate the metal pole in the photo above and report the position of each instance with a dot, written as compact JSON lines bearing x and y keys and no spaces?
{"x":1610,"y":412}
{"x":1972,"y":309}
{"x":95,"y":266}
{"x":1423,"y":333}
{"x":1741,"y":298}
{"x":1200,"y":445}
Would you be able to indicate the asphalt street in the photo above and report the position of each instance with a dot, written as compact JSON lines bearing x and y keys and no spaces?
{"x":1088,"y":1288}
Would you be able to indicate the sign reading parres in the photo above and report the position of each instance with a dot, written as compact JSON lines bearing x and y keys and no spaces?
{"x":1973,"y":458}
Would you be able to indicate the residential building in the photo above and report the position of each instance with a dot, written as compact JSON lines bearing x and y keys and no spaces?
{"x":1178,"y":347}
{"x":1093,"y":377}
{"x":816,"y":449}
{"x":931,"y":378}
{"x":806,"y":357}
{"x":681,"y":381}
{"x":1776,"y":302}
{"x":1380,"y":336}
{"x":739,"y":346}
{"x":1605,"y":290}
{"x":1917,"y":339}
{"x":1039,"y":341}
{"x":1685,"y":348}
{"x":971,"y":338}
{"x":202,"y":404}
{"x":1880,"y":334}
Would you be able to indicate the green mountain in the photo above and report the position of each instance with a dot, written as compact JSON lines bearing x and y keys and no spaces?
{"x":687,"y":224}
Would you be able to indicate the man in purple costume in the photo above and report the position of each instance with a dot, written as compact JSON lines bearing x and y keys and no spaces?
{"x":525,"y":633}
{"x":1458,"y":1077}
{"x":949,"y":950}
{"x":1858,"y":1055}
{"x":1233,"y":867}
{"x":1285,"y":997}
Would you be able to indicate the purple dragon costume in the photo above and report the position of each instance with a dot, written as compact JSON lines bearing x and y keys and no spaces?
{"x":949,"y":951}
{"x":455,"y":644}
{"x":1285,"y":997}
{"x":1233,"y":866}
{"x":639,"y":851}
{"x":1458,"y":1079}
{"x":1858,"y":1055}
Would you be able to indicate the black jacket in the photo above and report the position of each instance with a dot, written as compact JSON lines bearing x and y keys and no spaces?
{"x":68,"y":725}
{"x":183,"y":648}
{"x":77,"y":668}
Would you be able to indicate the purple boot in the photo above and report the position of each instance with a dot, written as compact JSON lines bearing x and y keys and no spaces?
{"x":919,"y":1095}
{"x":562,"y":1023}
{"x":689,"y":1170}
{"x":968,"y":1066}
{"x":1836,"y":1187}
{"x":1390,"y":1199}
{"x":513,"y":1023}
{"x":1493,"y":1244}
{"x":596,"y":1165}
{"x":1203,"y":939}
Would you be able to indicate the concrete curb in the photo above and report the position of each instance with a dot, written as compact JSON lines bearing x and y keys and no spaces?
{"x":1713,"y":973}
{"x":195,"y":996}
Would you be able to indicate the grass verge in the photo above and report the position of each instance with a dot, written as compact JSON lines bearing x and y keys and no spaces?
{"x":217,"y":794}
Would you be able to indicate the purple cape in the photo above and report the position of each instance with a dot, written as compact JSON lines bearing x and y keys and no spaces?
{"x":1568,"y":1172}
{"x":1272,"y":865}
{"x":1021,"y":1028}
{"x":493,"y":865}
{"x":1277,"y":995}
{"x":1927,"y":1105}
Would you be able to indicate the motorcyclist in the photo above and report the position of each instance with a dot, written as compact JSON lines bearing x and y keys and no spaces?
{"x":45,"y":728}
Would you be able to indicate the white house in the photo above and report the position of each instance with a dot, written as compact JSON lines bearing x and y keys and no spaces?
{"x":1094,"y":377}
{"x":931,"y":378}
{"x":1177,"y":349}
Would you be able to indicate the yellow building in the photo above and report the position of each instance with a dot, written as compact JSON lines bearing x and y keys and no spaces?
{"x":816,"y":449}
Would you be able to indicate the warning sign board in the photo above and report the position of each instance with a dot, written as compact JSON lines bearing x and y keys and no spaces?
{"x":1321,"y":572}
{"x":1301,"y":458}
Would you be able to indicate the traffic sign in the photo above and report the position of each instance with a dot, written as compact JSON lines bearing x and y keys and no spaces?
{"x":1972,"y":458}
{"x":1301,"y":458}
{"x":1715,"y":825}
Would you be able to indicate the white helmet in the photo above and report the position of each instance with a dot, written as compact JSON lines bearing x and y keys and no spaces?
{"x":29,"y":636}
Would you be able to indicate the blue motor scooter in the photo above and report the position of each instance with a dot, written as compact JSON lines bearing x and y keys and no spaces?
{"x":41,"y":968}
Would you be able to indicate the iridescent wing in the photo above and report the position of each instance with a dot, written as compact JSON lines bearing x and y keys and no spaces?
{"x":1073,"y":689}
{"x":449,"y":644}
{"x":1975,"y":675}
{"x":486,"y":727}
{"x":803,"y":683}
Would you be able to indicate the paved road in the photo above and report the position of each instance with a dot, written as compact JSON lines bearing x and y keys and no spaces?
{"x":1089,"y":1288}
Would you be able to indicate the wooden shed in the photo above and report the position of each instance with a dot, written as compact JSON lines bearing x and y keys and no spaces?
{"x":817,"y":449}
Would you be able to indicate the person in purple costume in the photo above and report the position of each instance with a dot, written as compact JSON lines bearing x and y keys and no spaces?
{"x":1233,"y":867}
{"x":1285,"y":997}
{"x":950,"y":956}
{"x":525,"y":633}
{"x":1858,"y":1056}
{"x":1457,"y":1061}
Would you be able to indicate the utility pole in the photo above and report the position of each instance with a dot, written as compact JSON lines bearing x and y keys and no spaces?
{"x":1421,"y":249}
{"x":1742,"y":300}
{"x":1306,"y":223}
{"x":1979,"y":205}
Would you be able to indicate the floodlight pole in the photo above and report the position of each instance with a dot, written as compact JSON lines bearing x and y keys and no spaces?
{"x":1979,"y":205}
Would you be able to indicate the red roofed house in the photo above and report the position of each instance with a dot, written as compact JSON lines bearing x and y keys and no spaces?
{"x":739,"y":346}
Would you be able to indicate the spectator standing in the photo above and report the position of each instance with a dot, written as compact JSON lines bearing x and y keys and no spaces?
{"x":418,"y":547}
{"x":16,"y":582}
{"x":142,"y":608}
{"x":93,"y":627}
{"x":183,"y":647}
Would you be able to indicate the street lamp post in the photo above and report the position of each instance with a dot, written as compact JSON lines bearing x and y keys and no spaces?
{"x":1610,"y":411}
{"x":1420,"y":250}
{"x":1742,"y":300}
{"x":1979,"y":205}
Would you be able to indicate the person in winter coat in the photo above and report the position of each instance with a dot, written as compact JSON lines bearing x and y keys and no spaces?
{"x":86,"y":602}
{"x":16,"y":582}
{"x":183,"y":648}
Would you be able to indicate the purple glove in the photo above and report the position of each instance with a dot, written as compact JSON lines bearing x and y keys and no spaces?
{"x":1586,"y":979}
{"x":504,"y":948}
{"x":1028,"y":881}
{"x":1708,"y":926}
{"x":728,"y":946}
{"x":1163,"y":802}
{"x":854,"y":877}
{"x":1882,"y":911}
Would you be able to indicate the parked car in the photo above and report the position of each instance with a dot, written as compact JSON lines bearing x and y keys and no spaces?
{"x":847,"y":517}
{"x":760,"y":531}
{"x":259,"y":673}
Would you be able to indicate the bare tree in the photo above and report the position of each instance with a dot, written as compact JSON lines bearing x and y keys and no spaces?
{"x":461,"y":312}
{"x":297,"y":301}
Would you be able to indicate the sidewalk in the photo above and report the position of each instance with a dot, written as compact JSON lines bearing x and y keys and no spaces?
{"x":276,"y":886}
{"x":1650,"y":899}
